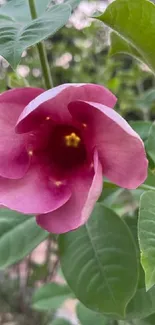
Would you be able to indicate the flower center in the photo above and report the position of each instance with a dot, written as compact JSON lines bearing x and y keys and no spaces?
{"x":67,"y":148}
{"x":72,"y":140}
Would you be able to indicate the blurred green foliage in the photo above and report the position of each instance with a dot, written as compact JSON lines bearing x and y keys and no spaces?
{"x":82,"y":56}
{"x":78,"y":55}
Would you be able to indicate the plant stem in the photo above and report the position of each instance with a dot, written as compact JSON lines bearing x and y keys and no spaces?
{"x":42,"y":51}
{"x":146,"y":187}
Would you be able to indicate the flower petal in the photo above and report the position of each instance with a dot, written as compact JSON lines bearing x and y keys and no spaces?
{"x":14,"y":159}
{"x":86,"y":187}
{"x":53,"y":103}
{"x":37,"y":192}
{"x":121,"y":151}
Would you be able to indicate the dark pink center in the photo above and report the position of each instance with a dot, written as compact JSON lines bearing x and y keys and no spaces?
{"x":67,"y":148}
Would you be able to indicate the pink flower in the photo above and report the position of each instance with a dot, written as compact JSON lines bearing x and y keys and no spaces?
{"x":55,"y":148}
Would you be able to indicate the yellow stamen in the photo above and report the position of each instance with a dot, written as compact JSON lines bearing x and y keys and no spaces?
{"x":48,"y":118}
{"x":30,"y":152}
{"x":58,"y":183}
{"x":72,"y":140}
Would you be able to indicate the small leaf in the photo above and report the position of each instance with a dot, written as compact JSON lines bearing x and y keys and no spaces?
{"x":99,"y":261}
{"x":16,"y":36}
{"x":135,"y":22}
{"x":50,"y":296}
{"x":119,"y":45}
{"x":89,"y":317}
{"x":146,"y":232}
{"x":39,"y":273}
{"x":19,"y":235}
{"x":14,"y":81}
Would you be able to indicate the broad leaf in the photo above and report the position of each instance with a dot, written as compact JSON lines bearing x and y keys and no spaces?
{"x":146,"y":232}
{"x":19,"y":9}
{"x":16,"y":35}
{"x":99,"y":262}
{"x":146,"y":321}
{"x":119,"y":45}
{"x":19,"y":235}
{"x":50,"y":296}
{"x":89,"y":317}
{"x":142,"y":304}
{"x":135,"y":22}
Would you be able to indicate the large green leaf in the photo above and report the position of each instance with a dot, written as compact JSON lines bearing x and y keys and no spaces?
{"x":147,"y":321}
{"x":50,"y":296}
{"x":99,"y":261}
{"x":135,"y":22}
{"x":89,"y":317}
{"x":146,"y":232}
{"x":142,"y":304}
{"x":16,"y":35}
{"x":19,"y":235}
{"x":19,"y":9}
{"x":119,"y":45}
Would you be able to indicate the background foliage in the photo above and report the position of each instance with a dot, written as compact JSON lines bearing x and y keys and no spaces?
{"x":32,"y":285}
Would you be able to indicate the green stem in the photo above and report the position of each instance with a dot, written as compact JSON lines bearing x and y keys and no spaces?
{"x":42,"y":51}
{"x":146,"y":187}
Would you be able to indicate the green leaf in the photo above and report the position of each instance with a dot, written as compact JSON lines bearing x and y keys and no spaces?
{"x":142,"y":304}
{"x":142,"y":128}
{"x":99,"y":262}
{"x":19,"y":235}
{"x":60,"y":321}
{"x":19,"y":9}
{"x":39,"y":273}
{"x":146,"y":100}
{"x":89,"y":317}
{"x":50,"y":296}
{"x":150,"y":181}
{"x":147,"y":321}
{"x":16,"y":36}
{"x":146,"y":232}
{"x":151,"y":143}
{"x":119,"y":45}
{"x":15,"y":81}
{"x":135,"y":22}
